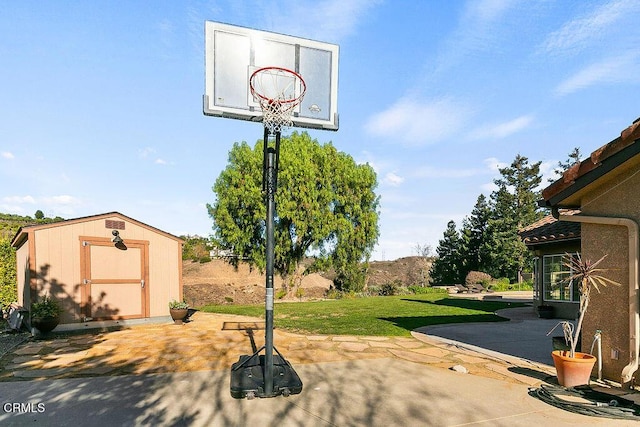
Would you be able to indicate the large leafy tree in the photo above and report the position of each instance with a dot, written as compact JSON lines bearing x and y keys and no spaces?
{"x":325,"y":203}
{"x":514,"y":205}
{"x":447,"y":267}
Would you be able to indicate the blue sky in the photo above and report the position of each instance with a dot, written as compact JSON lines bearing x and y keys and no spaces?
{"x":101,"y":101}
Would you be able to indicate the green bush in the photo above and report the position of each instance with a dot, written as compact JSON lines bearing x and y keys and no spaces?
{"x":502,"y":284}
{"x":350,"y":278}
{"x":390,"y":289}
{"x":333,"y":293}
{"x":281,"y":293}
{"x":46,"y":307}
{"x":178,"y":305}
{"x":8,"y":280}
{"x":477,"y":277}
{"x":372,"y":290}
{"x":419,"y":290}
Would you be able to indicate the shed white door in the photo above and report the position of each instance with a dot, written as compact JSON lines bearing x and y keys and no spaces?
{"x":115,"y":279}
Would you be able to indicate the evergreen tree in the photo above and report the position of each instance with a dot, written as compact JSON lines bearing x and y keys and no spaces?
{"x":514,"y":205}
{"x":446,"y":269}
{"x":474,"y":237}
{"x":573,"y":158}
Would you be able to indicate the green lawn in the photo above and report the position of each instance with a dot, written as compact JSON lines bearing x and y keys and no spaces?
{"x":382,"y":316}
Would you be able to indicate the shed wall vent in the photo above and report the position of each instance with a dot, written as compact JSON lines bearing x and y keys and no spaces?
{"x":114,"y":225}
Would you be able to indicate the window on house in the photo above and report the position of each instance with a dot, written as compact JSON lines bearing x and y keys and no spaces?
{"x":535,"y":278}
{"x":555,"y":285}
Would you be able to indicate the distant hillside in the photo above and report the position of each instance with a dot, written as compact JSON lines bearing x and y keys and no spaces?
{"x":217,"y":282}
{"x":9,"y":223}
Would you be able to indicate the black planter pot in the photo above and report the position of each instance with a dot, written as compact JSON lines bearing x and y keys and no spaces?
{"x":545,"y":312}
{"x":45,"y":324}
{"x":559,"y":343}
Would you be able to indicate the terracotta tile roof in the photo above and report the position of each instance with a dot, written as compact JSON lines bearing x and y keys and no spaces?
{"x":627,"y":137}
{"x":549,"y":229}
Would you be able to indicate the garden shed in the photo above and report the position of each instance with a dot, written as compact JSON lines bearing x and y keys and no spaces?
{"x":101,"y":267}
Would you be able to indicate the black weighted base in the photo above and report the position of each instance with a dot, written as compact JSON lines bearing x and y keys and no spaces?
{"x":247,"y":378}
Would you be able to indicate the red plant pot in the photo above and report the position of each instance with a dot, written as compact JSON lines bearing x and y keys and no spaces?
{"x":573,"y":371}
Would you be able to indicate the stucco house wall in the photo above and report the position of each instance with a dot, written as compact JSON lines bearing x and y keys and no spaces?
{"x":604,"y":187}
{"x":609,"y":310}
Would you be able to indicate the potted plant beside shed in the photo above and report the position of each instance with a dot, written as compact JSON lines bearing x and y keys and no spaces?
{"x":45,"y":314}
{"x":574,"y":368}
{"x":178,"y":311}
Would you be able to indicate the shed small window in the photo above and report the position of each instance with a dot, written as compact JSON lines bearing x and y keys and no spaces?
{"x":113,"y":224}
{"x":555,"y":285}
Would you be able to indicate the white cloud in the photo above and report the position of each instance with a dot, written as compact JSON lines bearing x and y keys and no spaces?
{"x":488,"y":188}
{"x":146,"y":151}
{"x":478,"y":30}
{"x":547,"y":169}
{"x":366,"y":157}
{"x":612,"y":70}
{"x":502,"y":130}
{"x":330,"y":20}
{"x":19,"y":200}
{"x":491,"y":166}
{"x":62,"y":205}
{"x":7,"y":155}
{"x":577,"y":34}
{"x":160,"y":162}
{"x":418,"y":123}
{"x":494,"y":164}
{"x":65,"y":200}
{"x":486,"y":12}
{"x":392,"y":179}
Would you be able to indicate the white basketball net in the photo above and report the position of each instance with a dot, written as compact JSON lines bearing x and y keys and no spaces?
{"x":278,"y":91}
{"x":276,"y":116}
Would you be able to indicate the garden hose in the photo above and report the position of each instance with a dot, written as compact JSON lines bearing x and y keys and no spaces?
{"x":594,"y":403}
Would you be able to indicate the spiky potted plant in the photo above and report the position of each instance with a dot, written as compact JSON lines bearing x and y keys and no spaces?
{"x":574,"y":368}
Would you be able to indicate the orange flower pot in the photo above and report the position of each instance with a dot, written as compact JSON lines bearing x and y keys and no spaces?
{"x":573,"y":371}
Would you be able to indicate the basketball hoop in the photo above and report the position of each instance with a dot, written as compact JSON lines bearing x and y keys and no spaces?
{"x":278,"y":91}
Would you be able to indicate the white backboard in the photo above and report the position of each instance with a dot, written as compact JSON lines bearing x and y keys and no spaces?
{"x":233,"y":53}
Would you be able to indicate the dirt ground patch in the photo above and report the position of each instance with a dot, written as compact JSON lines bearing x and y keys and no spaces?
{"x":218,"y":282}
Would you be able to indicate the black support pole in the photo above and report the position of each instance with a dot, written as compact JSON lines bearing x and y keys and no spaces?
{"x":266,"y":376}
{"x":271,"y":176}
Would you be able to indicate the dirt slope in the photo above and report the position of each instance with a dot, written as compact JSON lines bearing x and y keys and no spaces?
{"x":218,"y":282}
